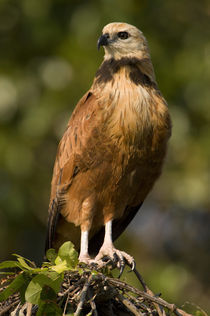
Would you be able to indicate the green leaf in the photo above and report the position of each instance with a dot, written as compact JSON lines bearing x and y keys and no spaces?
{"x":36,"y":285}
{"x":32,"y":264}
{"x":51,"y":255}
{"x":9,"y":264}
{"x":24,"y":264}
{"x":48,"y":294}
{"x":68,"y":254}
{"x":61,"y":267}
{"x":13,"y":287}
{"x":25,"y":267}
{"x":54,"y":277}
{"x":22,"y":289}
{"x":48,"y":309}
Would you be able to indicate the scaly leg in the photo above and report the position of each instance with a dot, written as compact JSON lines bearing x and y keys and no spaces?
{"x":84,"y":255}
{"x":109,"y":250}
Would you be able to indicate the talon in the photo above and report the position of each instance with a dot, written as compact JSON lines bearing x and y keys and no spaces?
{"x":94,"y":264}
{"x":122,"y":267}
{"x":105,"y":259}
{"x":132,"y":265}
{"x":115,"y":257}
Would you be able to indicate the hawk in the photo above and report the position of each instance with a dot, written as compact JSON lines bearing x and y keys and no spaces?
{"x":112,"y":151}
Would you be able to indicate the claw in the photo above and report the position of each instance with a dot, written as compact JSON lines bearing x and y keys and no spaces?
{"x":132,"y":265}
{"x":94,"y":265}
{"x":105,"y":259}
{"x":115,"y":257}
{"x":121,"y":262}
{"x":122,"y":267}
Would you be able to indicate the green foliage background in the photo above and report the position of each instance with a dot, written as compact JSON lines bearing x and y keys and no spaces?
{"x":48,"y":58}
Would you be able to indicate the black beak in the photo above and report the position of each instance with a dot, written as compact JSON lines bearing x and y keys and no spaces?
{"x":103,"y":41}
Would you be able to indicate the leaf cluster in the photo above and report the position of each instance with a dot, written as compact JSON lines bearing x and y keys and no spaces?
{"x":39,"y":286}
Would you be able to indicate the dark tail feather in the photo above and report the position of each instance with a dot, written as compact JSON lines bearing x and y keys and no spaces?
{"x":54,"y":214}
{"x":54,"y":211}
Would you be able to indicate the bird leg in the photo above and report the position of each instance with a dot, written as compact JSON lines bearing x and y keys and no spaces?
{"x":84,"y":255}
{"x":108,"y":249}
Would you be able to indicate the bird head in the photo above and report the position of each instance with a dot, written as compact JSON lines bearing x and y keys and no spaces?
{"x":123,"y":40}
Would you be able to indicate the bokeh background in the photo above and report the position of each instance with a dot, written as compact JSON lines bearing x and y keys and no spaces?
{"x":48,"y":58}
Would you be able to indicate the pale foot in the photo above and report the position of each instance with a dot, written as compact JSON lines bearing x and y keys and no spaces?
{"x":85,"y":259}
{"x":117,"y":256}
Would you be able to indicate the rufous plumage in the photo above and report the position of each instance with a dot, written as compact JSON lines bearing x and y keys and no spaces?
{"x":112,"y":151}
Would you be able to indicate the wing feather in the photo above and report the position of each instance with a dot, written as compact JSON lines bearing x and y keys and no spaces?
{"x":70,"y":158}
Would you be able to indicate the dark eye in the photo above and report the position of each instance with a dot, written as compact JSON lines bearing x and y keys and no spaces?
{"x":123,"y":35}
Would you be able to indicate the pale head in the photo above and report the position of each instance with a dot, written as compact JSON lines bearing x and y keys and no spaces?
{"x":123,"y":40}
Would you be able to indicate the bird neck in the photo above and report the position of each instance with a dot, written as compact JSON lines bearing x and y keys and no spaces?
{"x":137,"y":71}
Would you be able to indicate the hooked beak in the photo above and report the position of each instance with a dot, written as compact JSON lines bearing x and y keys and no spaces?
{"x":103,"y":40}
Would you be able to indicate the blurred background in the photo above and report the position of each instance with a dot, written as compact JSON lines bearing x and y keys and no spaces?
{"x":48,"y":59}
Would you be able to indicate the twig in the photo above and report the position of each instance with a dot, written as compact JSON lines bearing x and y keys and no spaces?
{"x":147,"y":290}
{"x":7,"y":308}
{"x":83,"y":296}
{"x":158,"y":300}
{"x":81,"y":290}
{"x":92,"y":302}
{"x":141,"y":280}
{"x":66,"y":291}
{"x":129,"y":305}
{"x":137,"y":302}
{"x":66,"y":303}
{"x":29,"y":309}
{"x":76,"y":293}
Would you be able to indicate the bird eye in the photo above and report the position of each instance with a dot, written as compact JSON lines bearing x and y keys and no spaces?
{"x":123,"y":35}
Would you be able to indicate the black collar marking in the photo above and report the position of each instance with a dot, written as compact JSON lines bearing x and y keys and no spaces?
{"x":111,"y":66}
